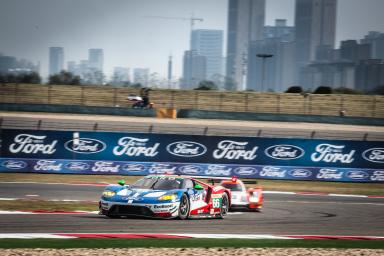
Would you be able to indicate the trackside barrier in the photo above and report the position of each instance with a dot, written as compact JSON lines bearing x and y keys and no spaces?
{"x":79,"y":152}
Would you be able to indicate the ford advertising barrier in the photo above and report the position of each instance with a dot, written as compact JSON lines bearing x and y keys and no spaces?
{"x":141,"y":154}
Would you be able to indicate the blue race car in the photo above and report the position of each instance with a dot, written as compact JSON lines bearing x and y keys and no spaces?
{"x":165,"y":196}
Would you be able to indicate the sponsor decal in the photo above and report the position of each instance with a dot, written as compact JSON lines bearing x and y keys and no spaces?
{"x":47,"y":165}
{"x":190,"y":169}
{"x":357,"y":175}
{"x":219,"y":170}
{"x":374,"y":155}
{"x":77,"y":166}
{"x":133,"y":168}
{"x":332,"y":153}
{"x":186,"y":149}
{"x":300,"y":173}
{"x":163,"y":206}
{"x":229,"y":149}
{"x":132,"y":146}
{"x":329,"y":174}
{"x":32,"y":144}
{"x":14,"y":164}
{"x":245,"y":171}
{"x":377,"y":176}
{"x":271,"y":171}
{"x":162,"y":169}
{"x":85,"y":146}
{"x":284,"y":152}
{"x":105,"y":166}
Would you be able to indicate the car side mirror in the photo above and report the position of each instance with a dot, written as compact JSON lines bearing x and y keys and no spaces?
{"x":198,"y":187}
{"x":121,"y":182}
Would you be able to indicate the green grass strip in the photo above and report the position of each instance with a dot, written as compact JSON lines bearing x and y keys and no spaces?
{"x":184,"y":243}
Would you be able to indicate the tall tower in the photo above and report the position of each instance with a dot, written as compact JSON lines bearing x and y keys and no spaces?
{"x":315,"y":23}
{"x":245,"y":24}
{"x":56,"y":60}
{"x":209,"y":43}
{"x":170,"y":72}
{"x":96,"y":59}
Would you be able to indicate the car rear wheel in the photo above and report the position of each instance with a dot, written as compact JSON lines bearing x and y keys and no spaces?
{"x":224,"y":206}
{"x":184,"y":207}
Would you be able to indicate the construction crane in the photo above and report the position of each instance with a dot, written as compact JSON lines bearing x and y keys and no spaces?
{"x":192,"y":20}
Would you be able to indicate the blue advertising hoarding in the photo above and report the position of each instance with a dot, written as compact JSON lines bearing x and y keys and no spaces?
{"x":141,"y":154}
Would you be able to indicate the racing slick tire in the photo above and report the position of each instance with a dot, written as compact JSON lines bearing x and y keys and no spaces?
{"x":224,"y":206}
{"x":184,"y":207}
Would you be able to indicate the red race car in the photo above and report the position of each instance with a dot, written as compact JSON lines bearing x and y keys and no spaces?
{"x":243,"y":198}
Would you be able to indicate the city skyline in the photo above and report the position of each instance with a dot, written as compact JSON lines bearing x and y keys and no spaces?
{"x":130,"y":39}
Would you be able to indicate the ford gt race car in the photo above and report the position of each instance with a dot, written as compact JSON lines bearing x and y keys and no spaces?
{"x":165,"y":196}
{"x":243,"y":198}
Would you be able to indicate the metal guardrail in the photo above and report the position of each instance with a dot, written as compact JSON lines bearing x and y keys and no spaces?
{"x":188,"y":129}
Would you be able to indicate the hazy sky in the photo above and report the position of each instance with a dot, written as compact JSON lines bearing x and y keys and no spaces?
{"x":130,"y":39}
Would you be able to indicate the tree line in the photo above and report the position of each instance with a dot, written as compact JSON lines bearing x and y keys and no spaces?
{"x":67,"y":78}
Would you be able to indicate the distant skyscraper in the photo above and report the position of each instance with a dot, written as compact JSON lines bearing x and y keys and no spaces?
{"x":280,"y":30}
{"x":120,"y":76}
{"x":96,"y":59}
{"x":170,"y":72}
{"x":245,"y":24}
{"x":209,"y":43}
{"x":376,"y":40}
{"x":315,"y":23}
{"x":141,"y":76}
{"x":56,"y":60}
{"x":194,"y":69}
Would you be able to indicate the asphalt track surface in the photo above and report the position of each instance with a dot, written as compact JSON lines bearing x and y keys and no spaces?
{"x":282,"y":215}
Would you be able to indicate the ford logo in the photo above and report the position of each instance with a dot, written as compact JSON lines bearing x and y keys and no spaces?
{"x":245,"y":171}
{"x":190,"y":169}
{"x":77,"y":166}
{"x":284,"y":152}
{"x":374,"y":155}
{"x":85,"y":146}
{"x":186,"y":149}
{"x":133,"y":167}
{"x":357,"y":175}
{"x":300,"y":173}
{"x":14,"y":164}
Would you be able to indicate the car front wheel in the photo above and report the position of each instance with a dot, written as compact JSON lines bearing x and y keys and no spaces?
{"x":184,"y":207}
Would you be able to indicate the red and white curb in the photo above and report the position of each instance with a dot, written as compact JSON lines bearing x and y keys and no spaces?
{"x":180,"y":236}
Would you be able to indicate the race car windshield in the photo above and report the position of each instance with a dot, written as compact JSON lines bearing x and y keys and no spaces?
{"x":232,"y":187}
{"x":158,"y":183}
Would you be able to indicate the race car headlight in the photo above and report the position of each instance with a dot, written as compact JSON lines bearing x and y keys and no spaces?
{"x":169,"y":197}
{"x":108,"y":193}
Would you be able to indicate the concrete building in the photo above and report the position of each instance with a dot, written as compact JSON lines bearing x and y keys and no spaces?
{"x":194,"y":69}
{"x":141,"y":76}
{"x":120,"y":76}
{"x":96,"y":59}
{"x":330,"y":74}
{"x":209,"y":43}
{"x":376,"y":40}
{"x":352,"y":51}
{"x":277,"y":73}
{"x":315,"y":24}
{"x":56,"y":60}
{"x":369,"y":74}
{"x":245,"y":24}
{"x":280,"y":30}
